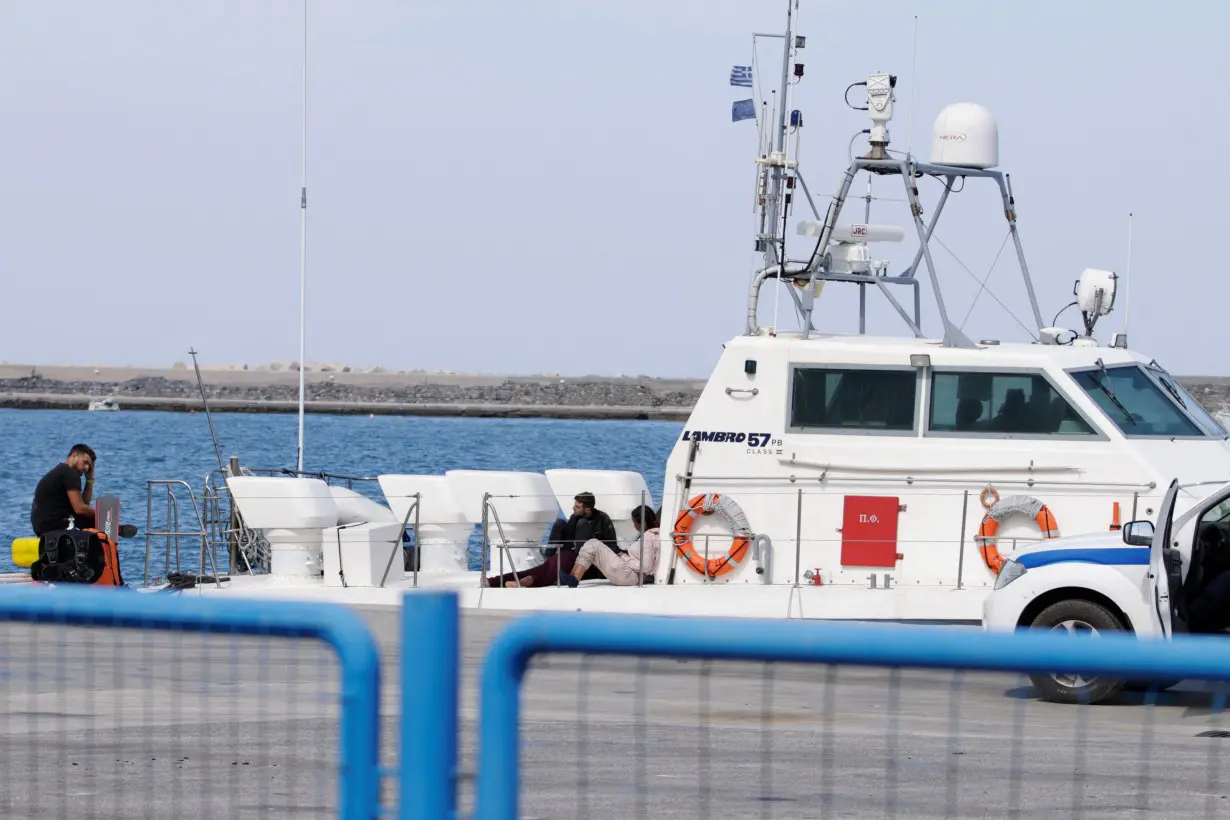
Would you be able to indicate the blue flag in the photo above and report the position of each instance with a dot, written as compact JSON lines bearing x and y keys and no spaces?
{"x":742,"y":110}
{"x":741,"y":75}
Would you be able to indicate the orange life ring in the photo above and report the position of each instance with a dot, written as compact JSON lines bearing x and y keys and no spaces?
{"x":1022,"y":504}
{"x":707,"y":504}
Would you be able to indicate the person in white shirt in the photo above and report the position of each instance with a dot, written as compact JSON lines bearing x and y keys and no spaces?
{"x":622,"y":569}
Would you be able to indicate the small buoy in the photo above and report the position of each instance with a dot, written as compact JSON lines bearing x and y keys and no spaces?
{"x":371,"y":415}
{"x":192,"y":412}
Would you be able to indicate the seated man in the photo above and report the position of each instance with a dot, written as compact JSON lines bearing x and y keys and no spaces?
{"x":586,"y":523}
{"x":59,"y":497}
{"x":623,"y":569}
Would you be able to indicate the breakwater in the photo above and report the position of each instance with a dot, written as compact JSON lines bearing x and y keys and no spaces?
{"x":360,"y":393}
{"x":378,"y":393}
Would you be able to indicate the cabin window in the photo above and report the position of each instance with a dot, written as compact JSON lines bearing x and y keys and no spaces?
{"x":1201,"y":416}
{"x":1003,"y":403}
{"x":1135,"y":402}
{"x":854,"y":399}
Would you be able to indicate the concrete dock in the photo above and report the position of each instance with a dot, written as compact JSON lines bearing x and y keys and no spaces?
{"x":102,"y":723}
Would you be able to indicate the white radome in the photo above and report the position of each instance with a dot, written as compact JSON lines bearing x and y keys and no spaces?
{"x":965,"y":135}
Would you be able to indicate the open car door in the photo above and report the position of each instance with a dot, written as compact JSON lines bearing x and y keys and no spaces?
{"x":1158,"y":576}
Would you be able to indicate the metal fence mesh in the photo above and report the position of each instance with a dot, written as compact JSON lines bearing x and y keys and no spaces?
{"x":635,"y":738}
{"x":102,"y":722}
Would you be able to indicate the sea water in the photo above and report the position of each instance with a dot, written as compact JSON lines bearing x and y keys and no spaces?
{"x":135,"y":446}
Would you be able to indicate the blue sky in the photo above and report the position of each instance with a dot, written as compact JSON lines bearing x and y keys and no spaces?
{"x":557,"y":186}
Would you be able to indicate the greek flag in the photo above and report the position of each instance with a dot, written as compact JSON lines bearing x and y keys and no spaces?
{"x":742,"y":110}
{"x":741,"y":75}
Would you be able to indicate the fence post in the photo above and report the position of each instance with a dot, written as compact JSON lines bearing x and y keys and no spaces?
{"x":496,"y":792}
{"x":429,"y":712}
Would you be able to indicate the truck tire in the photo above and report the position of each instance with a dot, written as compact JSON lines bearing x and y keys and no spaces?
{"x":1076,"y":616}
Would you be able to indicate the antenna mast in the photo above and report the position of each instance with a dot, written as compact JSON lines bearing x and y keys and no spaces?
{"x":776,"y":246}
{"x":775,"y":201}
{"x":1127,"y":281}
{"x":303,"y":245}
{"x":909,"y":148}
{"x":213,"y":434}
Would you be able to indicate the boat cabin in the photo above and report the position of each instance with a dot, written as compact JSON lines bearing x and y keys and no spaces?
{"x":874,"y":462}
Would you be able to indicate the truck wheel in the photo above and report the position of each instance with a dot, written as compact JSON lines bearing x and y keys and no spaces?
{"x":1082,"y":619}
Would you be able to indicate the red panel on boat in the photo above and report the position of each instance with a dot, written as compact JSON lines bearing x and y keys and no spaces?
{"x":869,"y":531}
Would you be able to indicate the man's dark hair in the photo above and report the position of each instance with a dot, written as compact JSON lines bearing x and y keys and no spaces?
{"x":586,"y":499}
{"x":84,"y":449}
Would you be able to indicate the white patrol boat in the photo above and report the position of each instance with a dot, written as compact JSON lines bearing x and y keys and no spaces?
{"x":820,"y":475}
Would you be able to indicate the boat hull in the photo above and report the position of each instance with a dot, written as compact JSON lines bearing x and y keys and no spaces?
{"x":943,"y":605}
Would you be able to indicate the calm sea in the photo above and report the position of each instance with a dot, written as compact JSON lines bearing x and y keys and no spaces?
{"x":135,"y":446}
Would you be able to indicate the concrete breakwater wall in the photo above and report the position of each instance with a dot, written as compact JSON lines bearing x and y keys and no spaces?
{"x":593,"y":397}
{"x":543,"y":397}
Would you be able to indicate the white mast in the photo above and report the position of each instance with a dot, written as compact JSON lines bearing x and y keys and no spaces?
{"x":1128,"y":297}
{"x":303,"y":246}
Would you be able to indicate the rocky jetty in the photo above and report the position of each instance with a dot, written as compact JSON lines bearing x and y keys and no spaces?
{"x":566,"y":394}
{"x":276,"y":390}
{"x":339,"y":390}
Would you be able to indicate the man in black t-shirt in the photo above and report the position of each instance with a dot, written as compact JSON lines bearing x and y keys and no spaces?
{"x":58,"y":495}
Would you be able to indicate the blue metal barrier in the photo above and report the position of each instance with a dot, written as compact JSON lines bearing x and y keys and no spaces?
{"x":338,"y":627}
{"x":497,"y":790}
{"x":429,"y":683}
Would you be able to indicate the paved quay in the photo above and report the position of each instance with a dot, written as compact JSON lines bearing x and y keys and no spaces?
{"x":166,"y":725}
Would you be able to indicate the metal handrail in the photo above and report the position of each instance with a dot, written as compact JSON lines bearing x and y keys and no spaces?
{"x":414,"y":508}
{"x":236,"y":534}
{"x":504,"y":549}
{"x":915,"y":479}
{"x":322,"y":475}
{"x":174,"y":533}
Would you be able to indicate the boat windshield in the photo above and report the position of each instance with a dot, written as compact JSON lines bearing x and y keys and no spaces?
{"x":1206,"y":421}
{"x":1138,"y":404}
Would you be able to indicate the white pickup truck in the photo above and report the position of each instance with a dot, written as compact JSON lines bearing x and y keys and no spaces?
{"x":1139,"y":579}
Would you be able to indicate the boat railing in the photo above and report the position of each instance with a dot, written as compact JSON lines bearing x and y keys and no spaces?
{"x":246,"y":549}
{"x":490,"y":513}
{"x":334,"y":479}
{"x":222,"y":528}
{"x":212,"y":520}
{"x":956,"y":503}
{"x":176,"y":529}
{"x":1027,"y":479}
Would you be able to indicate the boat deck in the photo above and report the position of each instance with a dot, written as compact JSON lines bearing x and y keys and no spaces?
{"x":710,"y":600}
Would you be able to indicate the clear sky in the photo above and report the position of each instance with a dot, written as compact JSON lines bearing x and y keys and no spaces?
{"x":554,"y":185}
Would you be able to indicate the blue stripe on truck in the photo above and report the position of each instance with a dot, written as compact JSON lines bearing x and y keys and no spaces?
{"x":1114,"y":556}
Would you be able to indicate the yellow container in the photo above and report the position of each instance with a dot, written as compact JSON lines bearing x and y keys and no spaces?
{"x":25,"y":551}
